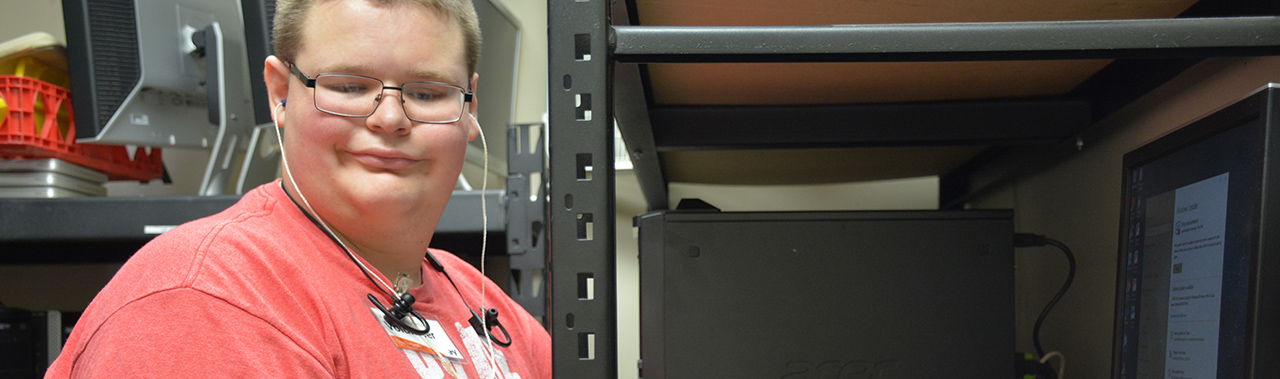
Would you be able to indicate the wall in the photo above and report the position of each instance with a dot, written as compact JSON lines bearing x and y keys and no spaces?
{"x":1078,"y":202}
{"x":32,"y":16}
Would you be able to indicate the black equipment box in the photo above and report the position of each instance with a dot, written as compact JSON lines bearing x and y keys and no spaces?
{"x":880,"y":294}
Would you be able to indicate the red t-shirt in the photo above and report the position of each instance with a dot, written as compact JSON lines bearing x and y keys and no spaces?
{"x":259,"y":291}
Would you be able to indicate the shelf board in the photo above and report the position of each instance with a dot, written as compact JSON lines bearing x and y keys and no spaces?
{"x":838,"y":87}
{"x":105,"y":229}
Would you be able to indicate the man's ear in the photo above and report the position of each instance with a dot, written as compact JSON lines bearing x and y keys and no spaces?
{"x":474,"y":131}
{"x":276,"y":75}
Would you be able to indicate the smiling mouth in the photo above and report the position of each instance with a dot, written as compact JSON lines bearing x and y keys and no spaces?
{"x":384,"y":162}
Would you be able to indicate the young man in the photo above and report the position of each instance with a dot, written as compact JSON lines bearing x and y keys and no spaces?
{"x":298,"y":278}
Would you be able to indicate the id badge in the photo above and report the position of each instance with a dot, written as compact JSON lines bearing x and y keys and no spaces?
{"x":435,"y":341}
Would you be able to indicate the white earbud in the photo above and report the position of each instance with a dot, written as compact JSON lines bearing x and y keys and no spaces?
{"x":275,"y":113}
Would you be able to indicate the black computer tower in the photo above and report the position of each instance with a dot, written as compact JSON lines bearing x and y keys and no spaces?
{"x":884,"y":294}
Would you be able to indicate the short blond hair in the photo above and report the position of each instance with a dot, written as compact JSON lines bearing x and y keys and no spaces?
{"x":291,"y":14}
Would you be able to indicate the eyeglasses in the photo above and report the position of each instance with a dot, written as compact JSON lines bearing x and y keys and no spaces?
{"x":352,"y":95}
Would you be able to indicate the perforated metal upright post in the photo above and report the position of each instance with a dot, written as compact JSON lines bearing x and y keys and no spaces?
{"x":527,"y":216}
{"x":583,"y":312}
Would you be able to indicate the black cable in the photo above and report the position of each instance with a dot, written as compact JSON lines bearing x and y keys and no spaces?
{"x":1021,"y":240}
{"x":1071,"y":274}
{"x":490,"y":314}
{"x":340,"y":245}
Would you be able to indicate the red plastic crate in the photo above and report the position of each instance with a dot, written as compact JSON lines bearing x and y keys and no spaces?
{"x":39,"y":123}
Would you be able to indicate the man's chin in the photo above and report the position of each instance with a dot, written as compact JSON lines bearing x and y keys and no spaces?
{"x":392,"y":197}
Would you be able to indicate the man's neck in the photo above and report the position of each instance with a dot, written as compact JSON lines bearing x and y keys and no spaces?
{"x":392,"y":265}
{"x":392,"y":251}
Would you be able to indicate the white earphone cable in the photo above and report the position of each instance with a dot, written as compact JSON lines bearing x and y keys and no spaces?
{"x":484,"y":243}
{"x":284,"y":158}
{"x":484,"y":214}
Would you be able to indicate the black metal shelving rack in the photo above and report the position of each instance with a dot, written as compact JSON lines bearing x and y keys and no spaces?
{"x":595,"y":75}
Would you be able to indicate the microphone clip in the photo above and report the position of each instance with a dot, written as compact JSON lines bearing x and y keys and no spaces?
{"x":399,"y":309}
{"x":490,"y":319}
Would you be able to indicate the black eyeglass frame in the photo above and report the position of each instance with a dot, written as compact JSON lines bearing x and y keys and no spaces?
{"x":311,"y":83}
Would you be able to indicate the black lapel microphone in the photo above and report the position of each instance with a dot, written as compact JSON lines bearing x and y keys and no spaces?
{"x":399,"y":309}
{"x":490,"y":319}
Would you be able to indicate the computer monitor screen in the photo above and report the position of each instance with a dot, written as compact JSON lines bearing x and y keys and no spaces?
{"x":498,"y":69}
{"x":139,"y":78}
{"x":1193,"y":229}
